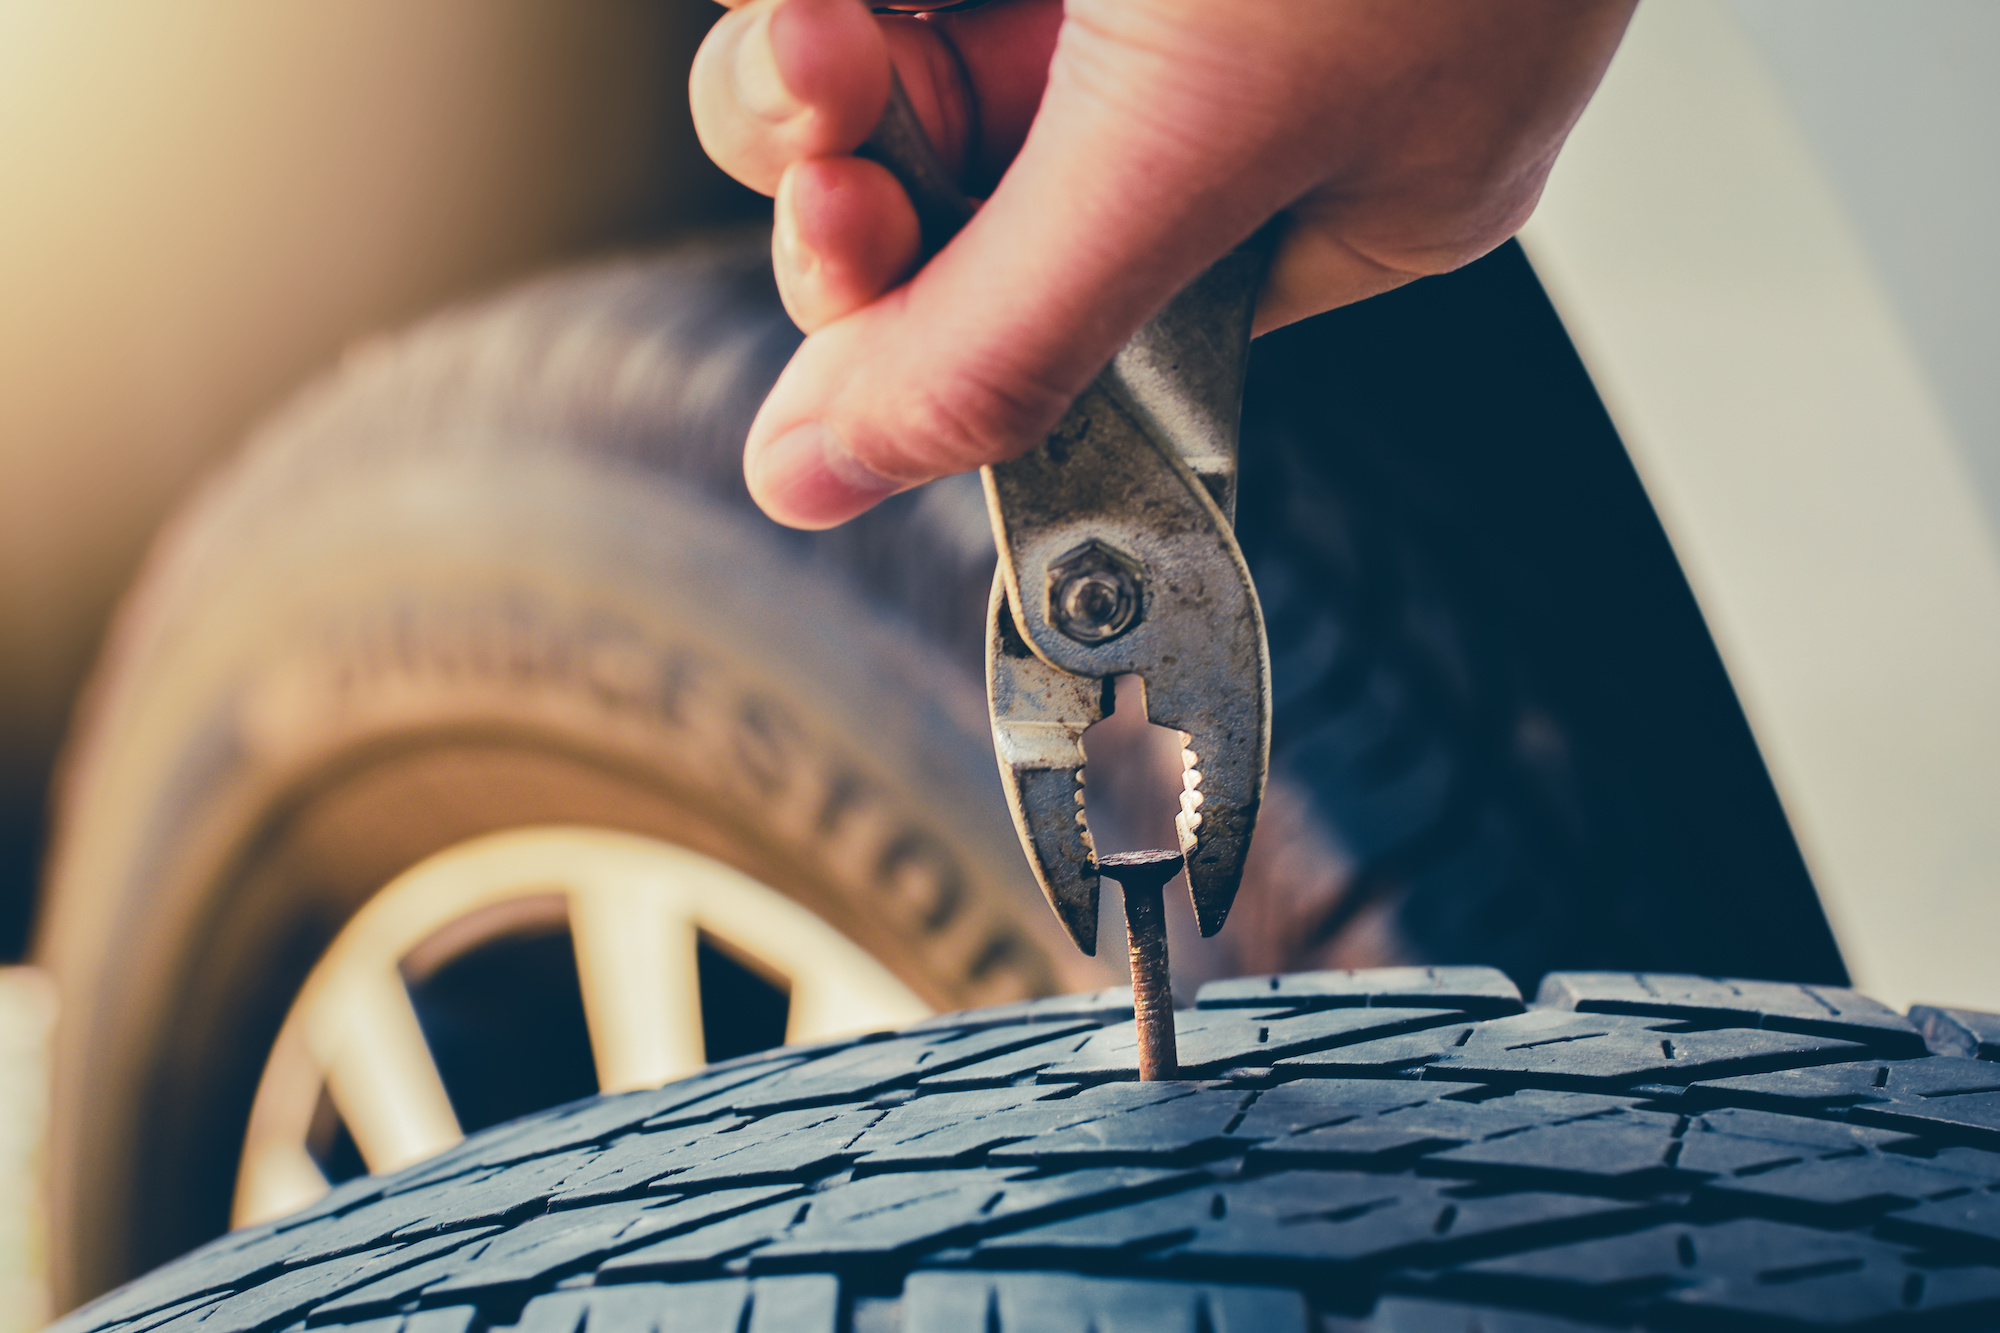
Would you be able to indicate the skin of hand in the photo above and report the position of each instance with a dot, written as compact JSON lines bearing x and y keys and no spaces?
{"x":1122,"y":146}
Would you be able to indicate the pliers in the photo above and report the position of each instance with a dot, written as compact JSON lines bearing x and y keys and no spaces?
{"x":1118,"y":556}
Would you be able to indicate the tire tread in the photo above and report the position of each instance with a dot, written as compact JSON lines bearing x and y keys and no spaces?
{"x":1424,"y":1184}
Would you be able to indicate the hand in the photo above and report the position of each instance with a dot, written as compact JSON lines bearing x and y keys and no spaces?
{"x":1126,"y":145}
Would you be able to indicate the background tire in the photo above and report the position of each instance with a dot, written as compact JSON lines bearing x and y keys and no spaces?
{"x":1404,"y":1150}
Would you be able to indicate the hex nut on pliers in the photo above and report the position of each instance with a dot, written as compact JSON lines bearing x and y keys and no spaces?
{"x":1096,"y":593}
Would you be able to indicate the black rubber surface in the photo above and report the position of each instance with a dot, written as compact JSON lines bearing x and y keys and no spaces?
{"x":1489,"y":671}
{"x":1403,"y":1149}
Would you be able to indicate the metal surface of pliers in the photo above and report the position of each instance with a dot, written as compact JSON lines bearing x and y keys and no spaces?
{"x":1118,"y":556}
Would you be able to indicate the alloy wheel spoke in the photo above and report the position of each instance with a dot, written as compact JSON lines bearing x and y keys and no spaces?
{"x":636,"y":962}
{"x":379,"y":1071}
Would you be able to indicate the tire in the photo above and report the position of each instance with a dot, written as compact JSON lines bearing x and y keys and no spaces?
{"x":1402,"y":1149}
{"x":500,"y":571}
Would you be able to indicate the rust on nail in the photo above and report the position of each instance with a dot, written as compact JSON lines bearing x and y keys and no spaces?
{"x":1143,"y":877}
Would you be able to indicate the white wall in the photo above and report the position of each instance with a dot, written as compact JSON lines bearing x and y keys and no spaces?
{"x":1818,"y":485}
{"x":1900,"y":106}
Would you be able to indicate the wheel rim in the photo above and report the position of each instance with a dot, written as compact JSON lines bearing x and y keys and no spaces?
{"x":636,"y":910}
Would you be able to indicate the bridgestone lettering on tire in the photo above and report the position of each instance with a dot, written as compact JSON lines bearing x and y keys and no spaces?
{"x":1401,"y":1149}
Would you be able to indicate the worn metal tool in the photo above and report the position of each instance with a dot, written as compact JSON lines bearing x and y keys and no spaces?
{"x":1118,"y":557}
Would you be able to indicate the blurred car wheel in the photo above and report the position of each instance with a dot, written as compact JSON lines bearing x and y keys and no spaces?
{"x":494,"y":573}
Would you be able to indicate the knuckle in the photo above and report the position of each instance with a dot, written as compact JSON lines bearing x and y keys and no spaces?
{"x":1470,"y":222}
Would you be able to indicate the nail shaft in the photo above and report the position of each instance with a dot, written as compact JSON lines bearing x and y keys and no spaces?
{"x":1143,"y":877}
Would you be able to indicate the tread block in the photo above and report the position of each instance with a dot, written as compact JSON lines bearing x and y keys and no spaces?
{"x":1744,"y":1265}
{"x":1467,"y":1121}
{"x":1419,"y":1226}
{"x":238,"y":1258}
{"x":1402,"y":1056}
{"x":1969,"y":1221}
{"x":1179,"y":1127}
{"x":1798,"y":1092}
{"x":1727,"y":1155}
{"x":306,"y":1288}
{"x":1939,"y":1076}
{"x":629,"y":1164}
{"x":1950,"y":1099}
{"x":146,"y":1322}
{"x":241,"y":1258}
{"x":1112,"y":1005}
{"x":859,"y":1071}
{"x":955,"y":1302}
{"x":1368,"y":1145}
{"x":695,"y":1252}
{"x":585,"y":1123}
{"x":1298,"y":1219}
{"x":342,"y":1197}
{"x":1753,"y":1268}
{"x":1962,"y":1032}
{"x":1001,"y":1070}
{"x":1565,"y":1049}
{"x":1570,"y":1104}
{"x":1824,"y":1135}
{"x":545,"y":1247}
{"x":1481,"y":992}
{"x":1972,"y":1118}
{"x":803,"y":1303}
{"x":1638,"y":1050}
{"x":789,"y":1145}
{"x":1600,"y":1152}
{"x":1307,"y":1104}
{"x":1214,"y":1041}
{"x":1418,"y":1129}
{"x":1846,"y":1291}
{"x":1831,"y":1011}
{"x":880,"y":1215}
{"x":372,"y":1224}
{"x":1641,"y":1157}
{"x":490,"y":1197}
{"x":1841,"y":1190}
{"x":948,"y":1127}
{"x":799,"y":1304}
{"x":1408,"y":1314}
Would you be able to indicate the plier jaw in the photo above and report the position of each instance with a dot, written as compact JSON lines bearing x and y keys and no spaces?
{"x":1040,"y":713}
{"x":1118,"y":558}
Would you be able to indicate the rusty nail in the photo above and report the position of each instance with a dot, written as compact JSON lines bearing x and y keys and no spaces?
{"x":1143,"y":876}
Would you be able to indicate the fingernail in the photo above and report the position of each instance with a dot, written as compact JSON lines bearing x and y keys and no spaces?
{"x":760,"y":86}
{"x":805,"y":479}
